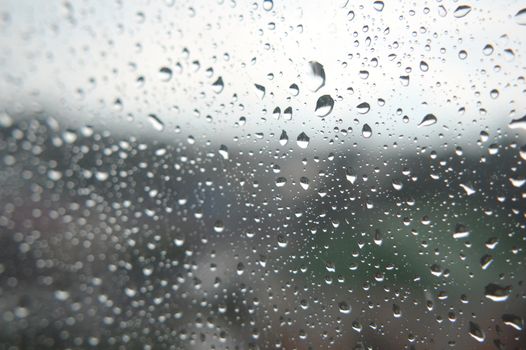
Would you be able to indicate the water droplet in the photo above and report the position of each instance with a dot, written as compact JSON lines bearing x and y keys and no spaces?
{"x":462,"y":54}
{"x":518,"y":123}
{"x":219,"y":226}
{"x":315,"y":76}
{"x":344,"y":308}
{"x":462,"y":11}
{"x":442,"y":12}
{"x":284,"y":138}
{"x":378,"y":5}
{"x":303,"y":140}
{"x":520,"y":17}
{"x":363,"y":108}
{"x":165,"y":74}
{"x":287,"y":113}
{"x":428,"y":120}
{"x":281,"y":181}
{"x":268,"y":5}
{"x":397,"y":313}
{"x":223,"y":151}
{"x":156,"y":123}
{"x":350,"y":176}
{"x":218,"y":85}
{"x":487,"y":50}
{"x":404,"y":80}
{"x":497,"y":293}
{"x":486,"y":261}
{"x":469,"y":189}
{"x":461,"y":231}
{"x":260,"y":90}
{"x":304,"y":182}
{"x":424,"y":66}
{"x":513,"y":321}
{"x":367,"y":131}
{"x":476,"y":332}
{"x":324,"y":106}
{"x":294,"y":90}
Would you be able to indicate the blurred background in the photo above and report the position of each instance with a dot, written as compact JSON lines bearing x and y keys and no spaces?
{"x":257,"y":175}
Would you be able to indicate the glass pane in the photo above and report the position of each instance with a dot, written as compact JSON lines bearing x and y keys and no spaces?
{"x":262,"y":174}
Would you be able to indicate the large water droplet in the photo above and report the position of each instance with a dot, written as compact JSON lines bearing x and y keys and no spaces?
{"x":260,"y":90}
{"x":315,"y":76}
{"x":367,"y":131}
{"x":344,"y":308}
{"x":218,"y":85}
{"x":428,"y":120}
{"x":476,"y":332}
{"x":513,"y":321}
{"x":520,"y":17}
{"x":268,"y":5}
{"x":324,"y":106}
{"x":363,"y":108}
{"x":303,"y":140}
{"x":518,"y":123}
{"x":462,"y":11}
{"x":284,"y":138}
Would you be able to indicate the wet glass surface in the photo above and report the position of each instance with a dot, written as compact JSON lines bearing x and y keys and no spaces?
{"x":257,"y":175}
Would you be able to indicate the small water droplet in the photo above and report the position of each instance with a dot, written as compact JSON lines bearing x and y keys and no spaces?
{"x":156,"y":123}
{"x":284,"y":138}
{"x":304,"y":182}
{"x":378,"y":5}
{"x":476,"y":332}
{"x":424,"y":67}
{"x":461,"y":231}
{"x":219,"y":226}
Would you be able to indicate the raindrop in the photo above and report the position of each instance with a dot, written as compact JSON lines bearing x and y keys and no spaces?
{"x":344,"y":308}
{"x":518,"y":123}
{"x":461,"y":231}
{"x":462,"y":11}
{"x":294,"y":90}
{"x":218,"y":85}
{"x":378,"y":5}
{"x":350,"y":176}
{"x":513,"y":321}
{"x":363,"y":108}
{"x":367,"y":131}
{"x":497,"y":293}
{"x":304,"y":182}
{"x":520,"y":17}
{"x":303,"y":140}
{"x":324,"y":106}
{"x":315,"y":76}
{"x":469,"y":189}
{"x":424,"y":66}
{"x":165,"y":74}
{"x":476,"y":332}
{"x":156,"y":123}
{"x":260,"y":90}
{"x":428,"y":120}
{"x":281,"y":181}
{"x":284,"y":138}
{"x":268,"y":5}
{"x":219,"y":226}
{"x":223,"y":151}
